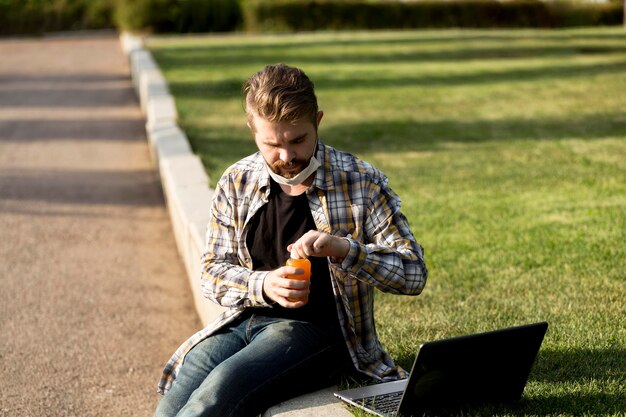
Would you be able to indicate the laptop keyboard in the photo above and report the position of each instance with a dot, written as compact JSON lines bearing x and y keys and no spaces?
{"x":384,"y":404}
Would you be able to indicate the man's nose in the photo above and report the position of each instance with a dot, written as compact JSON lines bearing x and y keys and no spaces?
{"x":285,"y":154}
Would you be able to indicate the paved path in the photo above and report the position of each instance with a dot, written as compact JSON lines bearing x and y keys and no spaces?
{"x":93,"y":296}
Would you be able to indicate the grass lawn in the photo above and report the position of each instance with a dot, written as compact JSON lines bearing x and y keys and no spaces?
{"x":508,"y":149}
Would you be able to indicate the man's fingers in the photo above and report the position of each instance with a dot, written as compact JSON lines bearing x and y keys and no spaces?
{"x":285,"y":291}
{"x":318,"y":244}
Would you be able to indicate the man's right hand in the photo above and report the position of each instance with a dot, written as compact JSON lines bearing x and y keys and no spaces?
{"x":278,"y":288}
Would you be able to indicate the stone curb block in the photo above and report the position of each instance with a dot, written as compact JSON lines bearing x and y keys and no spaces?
{"x":130,"y":43}
{"x":140,"y":60}
{"x":315,"y":404}
{"x":183,"y":171}
{"x":167,"y":141}
{"x":184,"y":182}
{"x":161,"y":110}
{"x":188,"y":197}
{"x":152,"y":84}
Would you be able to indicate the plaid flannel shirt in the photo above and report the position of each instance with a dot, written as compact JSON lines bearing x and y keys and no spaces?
{"x":348,"y":198}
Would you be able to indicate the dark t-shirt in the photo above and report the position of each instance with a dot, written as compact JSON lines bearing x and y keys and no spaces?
{"x":282,"y":221}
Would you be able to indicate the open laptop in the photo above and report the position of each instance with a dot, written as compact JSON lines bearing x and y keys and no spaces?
{"x":490,"y":367}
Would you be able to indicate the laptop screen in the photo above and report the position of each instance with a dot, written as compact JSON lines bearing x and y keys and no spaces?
{"x":478,"y":368}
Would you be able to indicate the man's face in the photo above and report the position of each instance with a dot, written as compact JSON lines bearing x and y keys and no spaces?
{"x":287,"y":148}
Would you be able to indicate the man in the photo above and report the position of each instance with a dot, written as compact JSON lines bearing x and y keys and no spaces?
{"x":294,"y":196}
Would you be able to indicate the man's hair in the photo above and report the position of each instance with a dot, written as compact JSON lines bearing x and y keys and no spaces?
{"x":280,"y":93}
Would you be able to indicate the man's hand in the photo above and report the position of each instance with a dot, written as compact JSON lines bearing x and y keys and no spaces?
{"x":279,"y":288}
{"x":314,"y":243}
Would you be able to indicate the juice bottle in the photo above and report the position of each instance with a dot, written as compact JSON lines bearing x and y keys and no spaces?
{"x":304,"y":264}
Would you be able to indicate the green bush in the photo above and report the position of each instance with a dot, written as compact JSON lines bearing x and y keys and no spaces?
{"x":154,"y":15}
{"x":210,"y":15}
{"x":162,"y":16}
{"x":581,"y":14}
{"x":307,"y":15}
{"x":178,"y":15}
{"x":38,"y":16}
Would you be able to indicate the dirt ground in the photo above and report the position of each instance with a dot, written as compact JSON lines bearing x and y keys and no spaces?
{"x":94,"y":297}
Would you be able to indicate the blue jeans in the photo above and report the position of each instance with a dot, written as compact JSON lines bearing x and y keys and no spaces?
{"x":253,"y":364}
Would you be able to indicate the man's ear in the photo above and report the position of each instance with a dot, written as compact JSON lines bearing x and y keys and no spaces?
{"x":320,"y":114}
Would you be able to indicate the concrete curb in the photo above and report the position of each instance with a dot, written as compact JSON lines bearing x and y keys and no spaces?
{"x":184,"y":180}
{"x":188,"y":197}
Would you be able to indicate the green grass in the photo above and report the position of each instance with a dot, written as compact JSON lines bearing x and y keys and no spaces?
{"x":508,"y":149}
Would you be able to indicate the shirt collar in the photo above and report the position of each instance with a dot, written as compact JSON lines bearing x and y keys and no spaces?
{"x":323,"y":175}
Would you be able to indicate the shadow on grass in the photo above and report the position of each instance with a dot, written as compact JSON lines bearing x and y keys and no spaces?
{"x":427,"y":37}
{"x":406,"y":136}
{"x":575,"y":404}
{"x":231,"y":88}
{"x":555,"y":366}
{"x":564,"y":367}
{"x":466,"y":47}
{"x":220,"y":147}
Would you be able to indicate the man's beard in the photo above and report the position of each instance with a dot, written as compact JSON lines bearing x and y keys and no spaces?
{"x":279,"y":165}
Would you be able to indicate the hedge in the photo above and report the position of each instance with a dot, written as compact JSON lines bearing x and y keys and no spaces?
{"x":178,"y":15}
{"x":38,"y":16}
{"x":309,"y":15}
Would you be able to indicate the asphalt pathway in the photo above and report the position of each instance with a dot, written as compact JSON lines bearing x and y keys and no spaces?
{"x":93,"y":295}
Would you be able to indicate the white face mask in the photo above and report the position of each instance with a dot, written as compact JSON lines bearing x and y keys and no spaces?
{"x":298,"y":179}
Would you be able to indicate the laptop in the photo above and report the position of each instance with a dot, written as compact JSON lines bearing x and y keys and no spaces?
{"x":489,"y":367}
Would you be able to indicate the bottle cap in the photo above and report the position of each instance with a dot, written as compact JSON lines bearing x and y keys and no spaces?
{"x":292,"y":255}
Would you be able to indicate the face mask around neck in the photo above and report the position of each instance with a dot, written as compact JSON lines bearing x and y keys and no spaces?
{"x":298,"y":179}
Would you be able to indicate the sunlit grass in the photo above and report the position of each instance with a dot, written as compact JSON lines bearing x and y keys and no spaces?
{"x":508,"y":149}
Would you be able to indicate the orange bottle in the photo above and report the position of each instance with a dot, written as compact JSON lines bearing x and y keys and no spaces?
{"x":304,"y":264}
